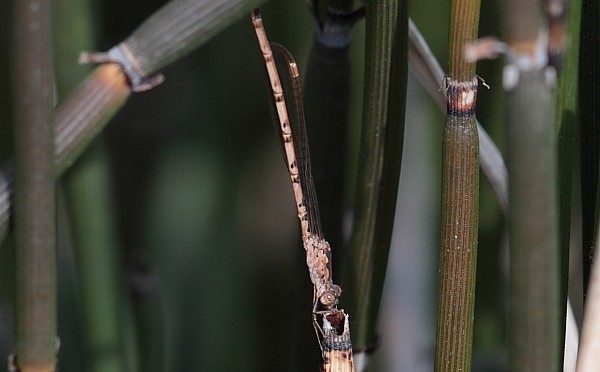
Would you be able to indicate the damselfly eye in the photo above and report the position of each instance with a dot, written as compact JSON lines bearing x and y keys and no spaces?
{"x":328,"y":299}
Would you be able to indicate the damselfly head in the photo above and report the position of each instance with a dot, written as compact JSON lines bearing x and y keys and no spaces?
{"x":330,"y":297}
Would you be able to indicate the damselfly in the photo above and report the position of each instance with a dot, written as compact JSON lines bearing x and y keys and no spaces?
{"x":331,"y":324}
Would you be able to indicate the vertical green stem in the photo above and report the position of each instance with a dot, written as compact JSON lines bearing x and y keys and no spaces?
{"x":566,"y":121}
{"x":533,"y":228}
{"x":464,"y":25}
{"x":34,"y":189}
{"x":379,"y":165}
{"x":460,"y":198}
{"x":589,"y":101}
{"x":97,"y":257}
{"x":534,"y":285}
{"x":88,"y":197}
{"x":458,"y":244}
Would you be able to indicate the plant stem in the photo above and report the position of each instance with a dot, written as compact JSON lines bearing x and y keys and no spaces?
{"x":81,"y":117}
{"x":458,"y":243}
{"x":464,"y":24}
{"x":534,"y":285}
{"x":89,"y":206}
{"x":460,"y":198}
{"x":35,"y":195}
{"x":379,"y":164}
{"x":429,"y":73}
{"x":179,"y":27}
{"x":97,"y":258}
{"x":326,"y":103}
{"x":589,"y":101}
{"x":566,"y":121}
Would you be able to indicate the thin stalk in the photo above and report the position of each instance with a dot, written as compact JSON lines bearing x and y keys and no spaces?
{"x":35,"y":247}
{"x":589,"y":101}
{"x":89,"y":203}
{"x":460,"y":198}
{"x":380,"y":156}
{"x":534,"y":285}
{"x":567,"y":35}
{"x":534,"y":304}
{"x":178,"y":28}
{"x":458,"y":243}
{"x":83,"y":115}
{"x":97,"y":259}
{"x":464,"y":24}
{"x":429,"y":73}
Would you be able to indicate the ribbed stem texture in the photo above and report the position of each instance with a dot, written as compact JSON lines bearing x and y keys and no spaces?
{"x":458,"y":243}
{"x":77,"y":122}
{"x":179,"y":27}
{"x":460,"y":198}
{"x":35,"y":247}
{"x":379,"y":164}
{"x":85,"y":113}
{"x":464,"y":23}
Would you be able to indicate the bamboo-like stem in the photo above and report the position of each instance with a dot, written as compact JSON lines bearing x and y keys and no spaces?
{"x":178,"y":28}
{"x":429,"y":72}
{"x":35,"y":227}
{"x":589,"y":101}
{"x":379,"y":165}
{"x":460,"y":198}
{"x":84,"y":114}
{"x":95,"y":243}
{"x":89,"y":205}
{"x":534,"y":285}
{"x":534,"y":304}
{"x":464,"y":24}
{"x":458,"y":242}
{"x":566,"y":121}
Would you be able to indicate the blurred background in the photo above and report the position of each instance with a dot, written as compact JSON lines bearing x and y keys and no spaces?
{"x":209,"y":268}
